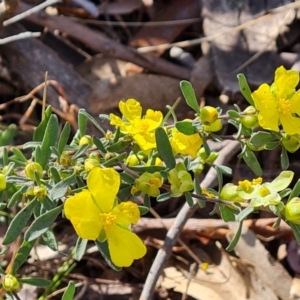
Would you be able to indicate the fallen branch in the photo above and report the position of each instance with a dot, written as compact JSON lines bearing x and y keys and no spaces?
{"x":20,"y":36}
{"x":7,"y":7}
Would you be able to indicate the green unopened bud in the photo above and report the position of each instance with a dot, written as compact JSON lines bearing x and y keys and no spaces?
{"x":133,"y":160}
{"x":90,"y":163}
{"x":208,"y":115}
{"x":95,"y":155}
{"x":229,"y":192}
{"x":10,"y":283}
{"x":2,"y":182}
{"x":40,"y":192}
{"x":149,"y":183}
{"x":249,"y":121}
{"x":292,"y":211}
{"x":250,"y":110}
{"x":109,"y":155}
{"x":291,"y":142}
{"x":78,"y":168}
{"x":202,"y":154}
{"x":212,"y":157}
{"x":66,"y":159}
{"x":31,"y":168}
{"x":86,"y":139}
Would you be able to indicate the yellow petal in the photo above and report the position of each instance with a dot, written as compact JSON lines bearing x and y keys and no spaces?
{"x":81,"y":210}
{"x":268,"y":119}
{"x":131,"y":109}
{"x":124,"y":246}
{"x":296,"y":102}
{"x":104,"y":185}
{"x":127,"y":213}
{"x":290,"y":124}
{"x":285,"y":81}
{"x":263,"y":98}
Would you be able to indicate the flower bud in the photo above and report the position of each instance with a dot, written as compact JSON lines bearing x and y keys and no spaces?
{"x":133,"y":160}
{"x":95,"y":155}
{"x":292,"y":211}
{"x":208,"y":115}
{"x":215,"y":126}
{"x":109,"y":155}
{"x":31,"y":168}
{"x":249,"y":121}
{"x":86,"y":139}
{"x":66,"y":159}
{"x":90,"y":163}
{"x":229,"y":192}
{"x":291,"y":142}
{"x":250,"y":110}
{"x":10,"y":283}
{"x":212,"y":157}
{"x":40,"y":192}
{"x":2,"y":182}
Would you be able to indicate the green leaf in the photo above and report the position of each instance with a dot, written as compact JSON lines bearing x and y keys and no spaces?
{"x":69,"y":292}
{"x":261,"y":138}
{"x":295,"y":191}
{"x":272,"y":145}
{"x":41,"y":224}
{"x":103,"y":249}
{"x":41,"y":129}
{"x":252,"y":162}
{"x":55,"y":174}
{"x":189,"y":199}
{"x":60,"y":189}
{"x":8,"y":135}
{"x":149,"y":169}
{"x":99,"y":144}
{"x":244,"y":88}
{"x":22,"y":255}
{"x":225,"y":170}
{"x":233,"y":114}
{"x":163,"y":197}
{"x":245,"y":213}
{"x":127,"y":178}
{"x":80,"y":248}
{"x":236,"y":238}
{"x":4,"y":156}
{"x":18,"y":179}
{"x":115,"y":160}
{"x":147,"y":201}
{"x":50,"y":240}
{"x":50,"y":137}
{"x":219,"y":177}
{"x":96,"y":124}
{"x":18,"y":223}
{"x":19,"y":155}
{"x":64,"y":136}
{"x":296,"y":231}
{"x":35,"y":281}
{"x":17,"y":196}
{"x":186,"y":127}
{"x":164,"y":148}
{"x":80,"y":151}
{"x":189,"y":95}
{"x":143,"y":210}
{"x":284,"y":159}
{"x":118,"y":146}
{"x":198,"y":191}
{"x":124,"y":193}
{"x":82,"y":121}
{"x":226,"y":213}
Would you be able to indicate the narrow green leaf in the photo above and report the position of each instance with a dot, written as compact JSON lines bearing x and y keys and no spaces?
{"x":296,"y":231}
{"x":252,"y":162}
{"x":50,"y":240}
{"x":80,"y":248}
{"x":236,"y":238}
{"x":124,"y":193}
{"x":18,"y":154}
{"x":82,"y":122}
{"x":245,"y":213}
{"x":163,"y":197}
{"x":60,"y":189}
{"x":80,"y":151}
{"x":118,"y":146}
{"x":5,"y":156}
{"x":198,"y":191}
{"x":18,"y":223}
{"x":115,"y":160}
{"x":64,"y":137}
{"x":50,"y":138}
{"x":9,"y":168}
{"x":8,"y":134}
{"x":225,"y":170}
{"x":31,"y":145}
{"x":233,"y":114}
{"x":244,"y":88}
{"x":55,"y":174}
{"x":35,"y":281}
{"x":143,"y":210}
{"x":69,"y":292}
{"x":18,"y":179}
{"x":189,"y":199}
{"x":284,"y":159}
{"x":96,"y":124}
{"x":219,"y":177}
{"x":41,"y":224}
{"x":189,"y":95}
{"x":147,"y":201}
{"x":271,"y":145}
{"x":149,"y":169}
{"x":186,"y":127}
{"x":99,"y":144}
{"x":22,"y":255}
{"x":17,"y":196}
{"x":40,"y":130}
{"x":295,"y":191}
{"x":164,"y":148}
{"x":103,"y":249}
{"x":127,"y":177}
{"x":282,"y":181}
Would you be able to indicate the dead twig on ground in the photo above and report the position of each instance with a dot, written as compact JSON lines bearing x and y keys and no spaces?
{"x":7,"y":7}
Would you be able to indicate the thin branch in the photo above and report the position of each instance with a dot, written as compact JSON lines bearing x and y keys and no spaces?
{"x":7,"y":7}
{"x":20,"y":36}
{"x":185,"y":213}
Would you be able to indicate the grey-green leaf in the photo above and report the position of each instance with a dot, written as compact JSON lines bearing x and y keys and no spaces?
{"x":189,"y":95}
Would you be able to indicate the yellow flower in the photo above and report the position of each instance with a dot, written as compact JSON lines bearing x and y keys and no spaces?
{"x":95,"y":214}
{"x":279,"y":104}
{"x":140,"y":128}
{"x":185,"y":144}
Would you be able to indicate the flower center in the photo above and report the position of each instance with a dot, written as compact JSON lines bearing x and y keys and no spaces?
{"x":144,"y":126}
{"x":284,"y":106}
{"x":264,"y":191}
{"x":245,"y":185}
{"x":108,"y":219}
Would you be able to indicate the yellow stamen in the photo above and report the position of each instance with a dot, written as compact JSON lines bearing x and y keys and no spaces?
{"x":245,"y":184}
{"x":284,"y":106}
{"x":108,"y":219}
{"x":264,"y":191}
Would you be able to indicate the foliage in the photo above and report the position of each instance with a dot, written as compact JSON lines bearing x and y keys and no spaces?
{"x":90,"y":179}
